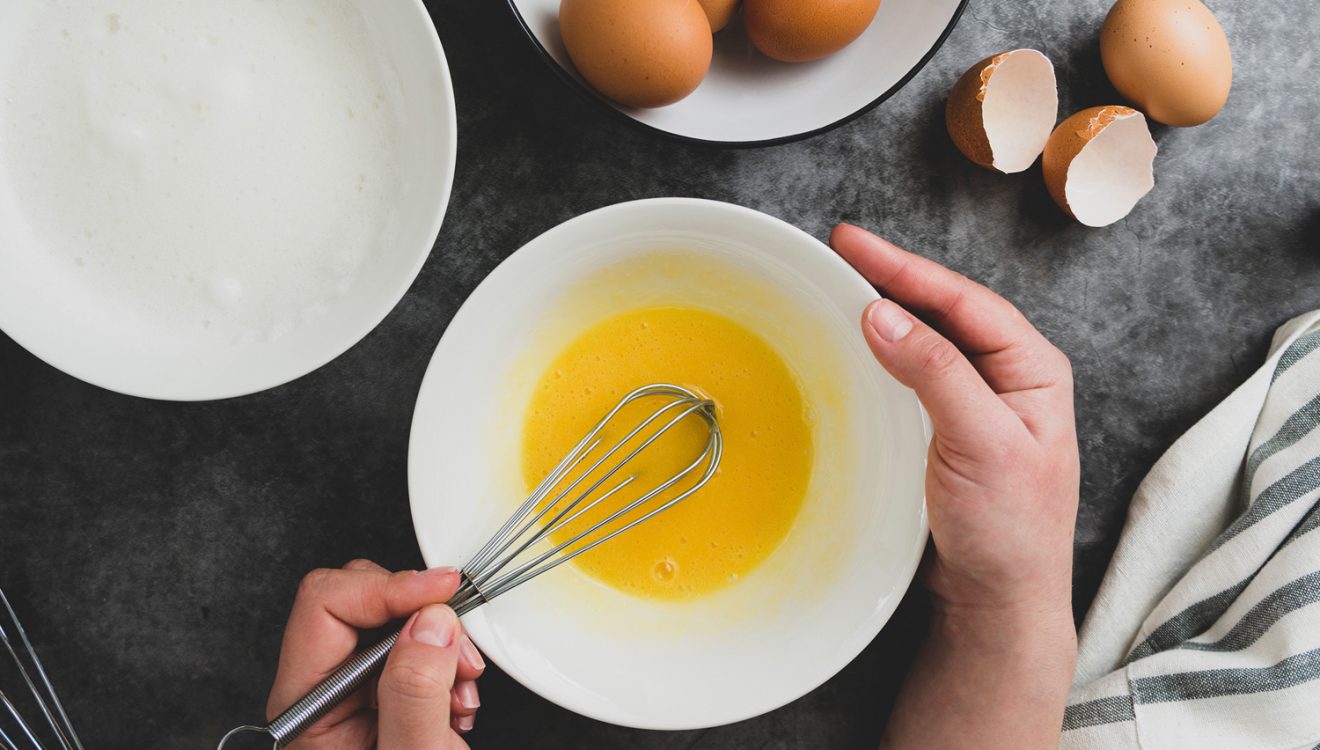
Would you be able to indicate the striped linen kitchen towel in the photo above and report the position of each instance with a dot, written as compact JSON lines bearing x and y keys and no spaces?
{"x":1206,"y":629}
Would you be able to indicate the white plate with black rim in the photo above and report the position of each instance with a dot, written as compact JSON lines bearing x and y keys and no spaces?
{"x":747,"y":99}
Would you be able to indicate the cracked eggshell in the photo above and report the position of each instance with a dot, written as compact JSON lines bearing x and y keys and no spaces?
{"x":1099,"y":163}
{"x":1000,"y":113}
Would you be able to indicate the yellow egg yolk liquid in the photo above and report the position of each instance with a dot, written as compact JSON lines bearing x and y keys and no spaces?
{"x":716,"y":536}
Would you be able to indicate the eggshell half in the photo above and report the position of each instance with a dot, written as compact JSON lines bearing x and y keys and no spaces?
{"x":1001,"y":111}
{"x":1099,"y":163}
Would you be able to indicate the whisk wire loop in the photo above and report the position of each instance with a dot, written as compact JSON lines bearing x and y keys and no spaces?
{"x":559,"y":520}
{"x":570,"y":462}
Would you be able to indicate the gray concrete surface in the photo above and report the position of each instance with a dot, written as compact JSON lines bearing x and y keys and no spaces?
{"x":154,"y":547}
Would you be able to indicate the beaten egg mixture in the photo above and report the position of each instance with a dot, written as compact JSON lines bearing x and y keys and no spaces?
{"x":716,"y":536}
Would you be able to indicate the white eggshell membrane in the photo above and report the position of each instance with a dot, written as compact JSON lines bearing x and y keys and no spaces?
{"x":1019,"y":109}
{"x":1112,"y":172}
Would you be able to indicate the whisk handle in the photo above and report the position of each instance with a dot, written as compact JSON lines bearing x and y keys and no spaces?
{"x":330,"y":692}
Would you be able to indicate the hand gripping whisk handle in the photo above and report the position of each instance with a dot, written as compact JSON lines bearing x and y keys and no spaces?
{"x":502,"y":563}
{"x":329,"y":693}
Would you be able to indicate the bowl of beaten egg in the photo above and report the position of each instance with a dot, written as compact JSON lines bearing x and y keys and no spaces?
{"x":201,"y":200}
{"x":766,"y":582}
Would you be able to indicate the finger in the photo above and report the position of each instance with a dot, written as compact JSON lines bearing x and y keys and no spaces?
{"x":470,"y":663}
{"x":369,"y":599}
{"x":463,"y":675}
{"x":463,"y":724}
{"x":360,"y":564}
{"x":1003,"y":344}
{"x":962,"y":407}
{"x":972,"y":316}
{"x":358,"y":730}
{"x":414,"y":688}
{"x":465,"y":700}
{"x":331,"y":606}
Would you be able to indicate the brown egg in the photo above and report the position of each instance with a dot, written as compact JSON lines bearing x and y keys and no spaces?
{"x":640,"y":53}
{"x":1169,"y":57}
{"x":719,"y":12}
{"x":801,"y":30}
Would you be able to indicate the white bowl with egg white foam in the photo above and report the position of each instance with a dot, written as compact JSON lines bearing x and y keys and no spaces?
{"x":840,"y":571}
{"x":201,"y":200}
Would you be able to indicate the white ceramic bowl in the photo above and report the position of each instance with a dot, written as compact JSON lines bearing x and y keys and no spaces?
{"x":795,"y":620}
{"x":40,"y":308}
{"x":747,"y":99}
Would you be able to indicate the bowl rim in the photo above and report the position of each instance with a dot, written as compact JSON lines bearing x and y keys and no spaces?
{"x":601,"y":102}
{"x":81,"y":370}
{"x":430,"y":388}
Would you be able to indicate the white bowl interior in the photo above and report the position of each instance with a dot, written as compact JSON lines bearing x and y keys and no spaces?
{"x":843,"y":567}
{"x":747,"y":97}
{"x":49,"y":311}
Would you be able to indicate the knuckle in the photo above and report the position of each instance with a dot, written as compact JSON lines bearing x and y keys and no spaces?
{"x":359,"y":563}
{"x":937,"y":356}
{"x":1065,"y":364}
{"x":312,"y":584}
{"x":411,"y":682}
{"x":1014,"y":311}
{"x":1061,"y":363}
{"x":399,"y":577}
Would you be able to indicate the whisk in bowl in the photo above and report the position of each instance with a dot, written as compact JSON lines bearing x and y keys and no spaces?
{"x":591,"y":479}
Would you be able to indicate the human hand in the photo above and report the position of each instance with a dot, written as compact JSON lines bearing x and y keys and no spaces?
{"x":1002,"y":480}
{"x":427,"y":693}
{"x":1002,"y":475}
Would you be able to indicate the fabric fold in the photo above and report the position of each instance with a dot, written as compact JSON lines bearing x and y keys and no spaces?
{"x":1205,"y":632}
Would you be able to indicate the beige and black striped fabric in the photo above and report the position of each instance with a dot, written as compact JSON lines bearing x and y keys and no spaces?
{"x":1206,"y":630}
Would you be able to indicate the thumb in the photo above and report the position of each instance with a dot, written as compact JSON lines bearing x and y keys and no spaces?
{"x":963,"y":408}
{"x":413,"y":692}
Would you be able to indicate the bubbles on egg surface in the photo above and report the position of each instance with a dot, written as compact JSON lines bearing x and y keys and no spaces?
{"x":665,"y":570}
{"x":698,"y":547}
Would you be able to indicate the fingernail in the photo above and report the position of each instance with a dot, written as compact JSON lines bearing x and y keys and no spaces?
{"x":889,"y":320}
{"x":465,"y":723}
{"x":467,"y":695}
{"x":471,"y":655}
{"x":434,"y":626}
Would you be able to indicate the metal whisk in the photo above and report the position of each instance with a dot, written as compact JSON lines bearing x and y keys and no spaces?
{"x":16,"y":733}
{"x":514,"y":555}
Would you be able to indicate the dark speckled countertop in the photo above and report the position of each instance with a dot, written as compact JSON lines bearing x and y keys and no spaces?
{"x":153,"y":548}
